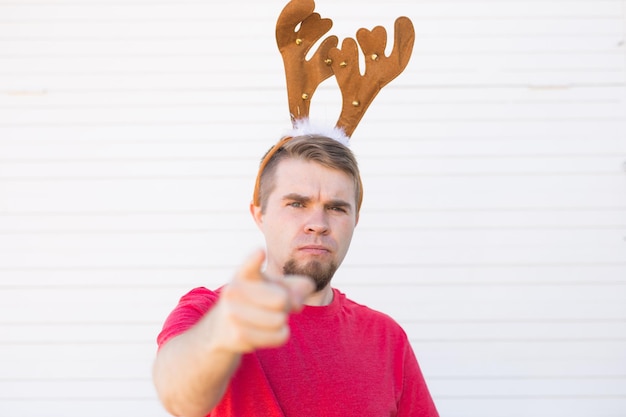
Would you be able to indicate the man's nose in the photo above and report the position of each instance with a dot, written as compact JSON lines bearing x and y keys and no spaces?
{"x":317,"y":222}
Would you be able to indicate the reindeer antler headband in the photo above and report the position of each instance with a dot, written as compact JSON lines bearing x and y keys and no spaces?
{"x":358,"y":91}
{"x":298,"y":28}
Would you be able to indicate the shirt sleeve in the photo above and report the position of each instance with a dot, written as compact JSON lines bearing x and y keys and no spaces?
{"x":190,"y":309}
{"x":415,"y":399}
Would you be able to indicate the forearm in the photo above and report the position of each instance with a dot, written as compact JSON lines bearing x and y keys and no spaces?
{"x":191,"y":374}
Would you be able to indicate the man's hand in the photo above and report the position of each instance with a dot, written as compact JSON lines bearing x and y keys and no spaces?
{"x":253,"y":310}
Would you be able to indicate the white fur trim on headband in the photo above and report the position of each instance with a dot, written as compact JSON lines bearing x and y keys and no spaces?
{"x":303,"y":127}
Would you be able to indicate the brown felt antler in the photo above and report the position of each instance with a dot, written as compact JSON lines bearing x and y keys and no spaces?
{"x":358,"y":91}
{"x":303,"y":76}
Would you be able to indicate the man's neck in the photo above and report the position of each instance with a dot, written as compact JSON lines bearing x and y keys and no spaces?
{"x":321,"y":298}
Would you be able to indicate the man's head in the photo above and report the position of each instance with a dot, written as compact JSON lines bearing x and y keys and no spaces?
{"x":306,"y":204}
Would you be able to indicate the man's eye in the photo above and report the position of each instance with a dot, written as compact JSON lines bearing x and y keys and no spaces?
{"x":296,"y":204}
{"x":339,"y":209}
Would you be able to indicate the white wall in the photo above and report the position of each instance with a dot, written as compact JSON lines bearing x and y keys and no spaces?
{"x":494,"y":222}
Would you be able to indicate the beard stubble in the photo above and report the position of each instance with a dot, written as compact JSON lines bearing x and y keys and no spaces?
{"x":320,"y":273}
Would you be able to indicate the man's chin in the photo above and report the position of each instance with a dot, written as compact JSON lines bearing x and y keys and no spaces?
{"x":320,"y":272}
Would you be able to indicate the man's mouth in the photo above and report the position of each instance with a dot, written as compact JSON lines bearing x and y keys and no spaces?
{"x":314,"y":249}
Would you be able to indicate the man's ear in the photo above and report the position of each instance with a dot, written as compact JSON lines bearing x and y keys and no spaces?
{"x":257,"y":215}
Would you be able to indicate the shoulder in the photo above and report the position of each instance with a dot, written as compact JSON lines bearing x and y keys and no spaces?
{"x":199,"y":298}
{"x":189,"y":310}
{"x":363,"y":310}
{"x":371,"y":318}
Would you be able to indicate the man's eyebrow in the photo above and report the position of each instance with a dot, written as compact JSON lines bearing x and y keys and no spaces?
{"x":339,"y":203}
{"x":296,"y":197}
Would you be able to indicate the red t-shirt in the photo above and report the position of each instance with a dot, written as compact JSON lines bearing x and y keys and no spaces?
{"x":341,"y":360}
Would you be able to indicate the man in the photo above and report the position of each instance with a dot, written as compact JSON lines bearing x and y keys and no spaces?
{"x":279,"y":340}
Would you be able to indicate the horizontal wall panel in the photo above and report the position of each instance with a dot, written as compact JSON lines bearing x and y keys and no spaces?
{"x":119,"y":276}
{"x":528,"y":139}
{"x":212,"y":147}
{"x":424,"y":98}
{"x":469,"y":367}
{"x":479,"y":351}
{"x":456,"y":367}
{"x":521,"y":406}
{"x":215,"y":111}
{"x":514,"y":351}
{"x":155,"y":80}
{"x":60,"y":333}
{"x":421,"y":330}
{"x":562,"y":240}
{"x":353,"y":273}
{"x":426,"y":27}
{"x":106,"y":367}
{"x":496,"y":191}
{"x":537,"y":388}
{"x":210,"y":256}
{"x":83,"y":406}
{"x":192,"y":168}
{"x":427,"y":302}
{"x":55,"y":390}
{"x":517,"y":10}
{"x":213,"y":144}
{"x":369,"y":221}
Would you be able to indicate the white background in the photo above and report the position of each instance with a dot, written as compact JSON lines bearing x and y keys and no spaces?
{"x":494,"y":220}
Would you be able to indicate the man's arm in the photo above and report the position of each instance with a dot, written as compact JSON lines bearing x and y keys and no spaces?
{"x":190,"y":375}
{"x":192,"y":370}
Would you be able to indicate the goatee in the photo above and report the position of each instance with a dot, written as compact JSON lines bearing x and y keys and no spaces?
{"x":320,"y":273}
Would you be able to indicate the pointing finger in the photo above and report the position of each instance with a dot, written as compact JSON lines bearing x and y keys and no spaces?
{"x":250,"y":270}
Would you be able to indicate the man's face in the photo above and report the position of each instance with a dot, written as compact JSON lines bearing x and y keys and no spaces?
{"x":308,"y":220}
